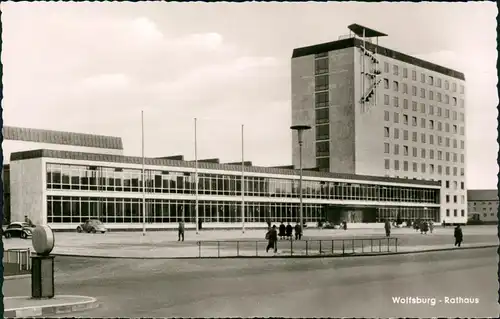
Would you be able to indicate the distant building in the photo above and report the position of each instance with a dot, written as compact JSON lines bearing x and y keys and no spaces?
{"x":483,"y":204}
{"x":19,"y":139}
{"x":375,"y":111}
{"x":16,"y":139}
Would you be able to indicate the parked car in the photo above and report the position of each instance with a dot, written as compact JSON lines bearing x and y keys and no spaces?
{"x":475,"y":222}
{"x":330,"y":225}
{"x":18,"y":229}
{"x":92,"y":226}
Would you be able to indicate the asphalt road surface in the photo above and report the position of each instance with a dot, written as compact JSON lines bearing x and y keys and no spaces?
{"x":329,"y":287}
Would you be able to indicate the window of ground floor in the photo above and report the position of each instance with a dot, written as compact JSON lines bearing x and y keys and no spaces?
{"x":72,"y":209}
{"x":408,"y":214}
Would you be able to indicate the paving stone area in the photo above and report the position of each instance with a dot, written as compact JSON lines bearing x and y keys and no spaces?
{"x":165,"y":244}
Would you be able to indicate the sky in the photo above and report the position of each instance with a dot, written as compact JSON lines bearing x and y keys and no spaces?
{"x":92,"y":67}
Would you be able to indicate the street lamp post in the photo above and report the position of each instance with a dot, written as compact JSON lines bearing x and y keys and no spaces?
{"x":300,"y":130}
{"x":143,"y":179}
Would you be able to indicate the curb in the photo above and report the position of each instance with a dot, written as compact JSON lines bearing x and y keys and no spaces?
{"x":442,"y":249}
{"x":17,"y":277}
{"x":49,"y":310}
{"x":367,"y":254}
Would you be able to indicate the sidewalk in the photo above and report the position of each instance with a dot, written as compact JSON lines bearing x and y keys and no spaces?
{"x":19,"y":307}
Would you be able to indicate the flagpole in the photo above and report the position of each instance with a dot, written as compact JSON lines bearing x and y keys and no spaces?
{"x":242,"y":180}
{"x":143,"y":180}
{"x":196,"y":174}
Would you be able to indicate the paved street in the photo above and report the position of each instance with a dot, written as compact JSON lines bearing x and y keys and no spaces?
{"x":356,"y":286}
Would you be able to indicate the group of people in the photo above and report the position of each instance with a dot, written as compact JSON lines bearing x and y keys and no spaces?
{"x":423,"y":226}
{"x":285,"y":232}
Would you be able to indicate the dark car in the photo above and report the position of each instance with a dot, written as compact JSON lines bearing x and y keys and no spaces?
{"x":330,"y":225}
{"x":92,"y":226}
{"x":18,"y":229}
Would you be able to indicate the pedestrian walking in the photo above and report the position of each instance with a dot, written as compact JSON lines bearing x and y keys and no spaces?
{"x":345,"y":225}
{"x":387,"y":227}
{"x":298,"y":231}
{"x":320,"y":224}
{"x":181,"y":230}
{"x":289,"y":231}
{"x":425,"y":227}
{"x":272,"y":238}
{"x":431,"y":226}
{"x":282,"y":233}
{"x":28,"y":221}
{"x":459,"y":236}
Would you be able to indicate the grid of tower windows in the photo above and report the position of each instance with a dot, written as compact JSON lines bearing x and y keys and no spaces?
{"x":443,"y":120}
{"x":94,"y":178}
{"x":322,"y":104}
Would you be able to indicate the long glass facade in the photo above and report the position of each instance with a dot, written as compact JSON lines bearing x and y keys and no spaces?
{"x":113,"y":181}
{"x":73,"y":209}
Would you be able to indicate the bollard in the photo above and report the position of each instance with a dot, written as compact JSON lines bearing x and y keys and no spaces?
{"x":238,"y":248}
{"x":396,"y":245}
{"x":332,"y":247}
{"x":307,"y":248}
{"x":362,"y":246}
{"x":218,"y":249}
{"x":353,"y":246}
{"x":256,"y":248}
{"x":379,"y":245}
{"x":199,"y":249}
{"x":388,"y":250}
{"x":343,"y":248}
{"x":42,"y":272}
{"x":320,"y":250}
{"x":291,"y":247}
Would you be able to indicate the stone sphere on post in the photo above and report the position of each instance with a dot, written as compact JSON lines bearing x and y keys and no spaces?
{"x":43,"y":240}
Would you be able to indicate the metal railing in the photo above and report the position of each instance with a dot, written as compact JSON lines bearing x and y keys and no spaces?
{"x":21,"y":257}
{"x":309,"y":247}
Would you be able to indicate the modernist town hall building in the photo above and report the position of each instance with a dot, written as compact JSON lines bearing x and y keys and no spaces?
{"x":375,"y":111}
